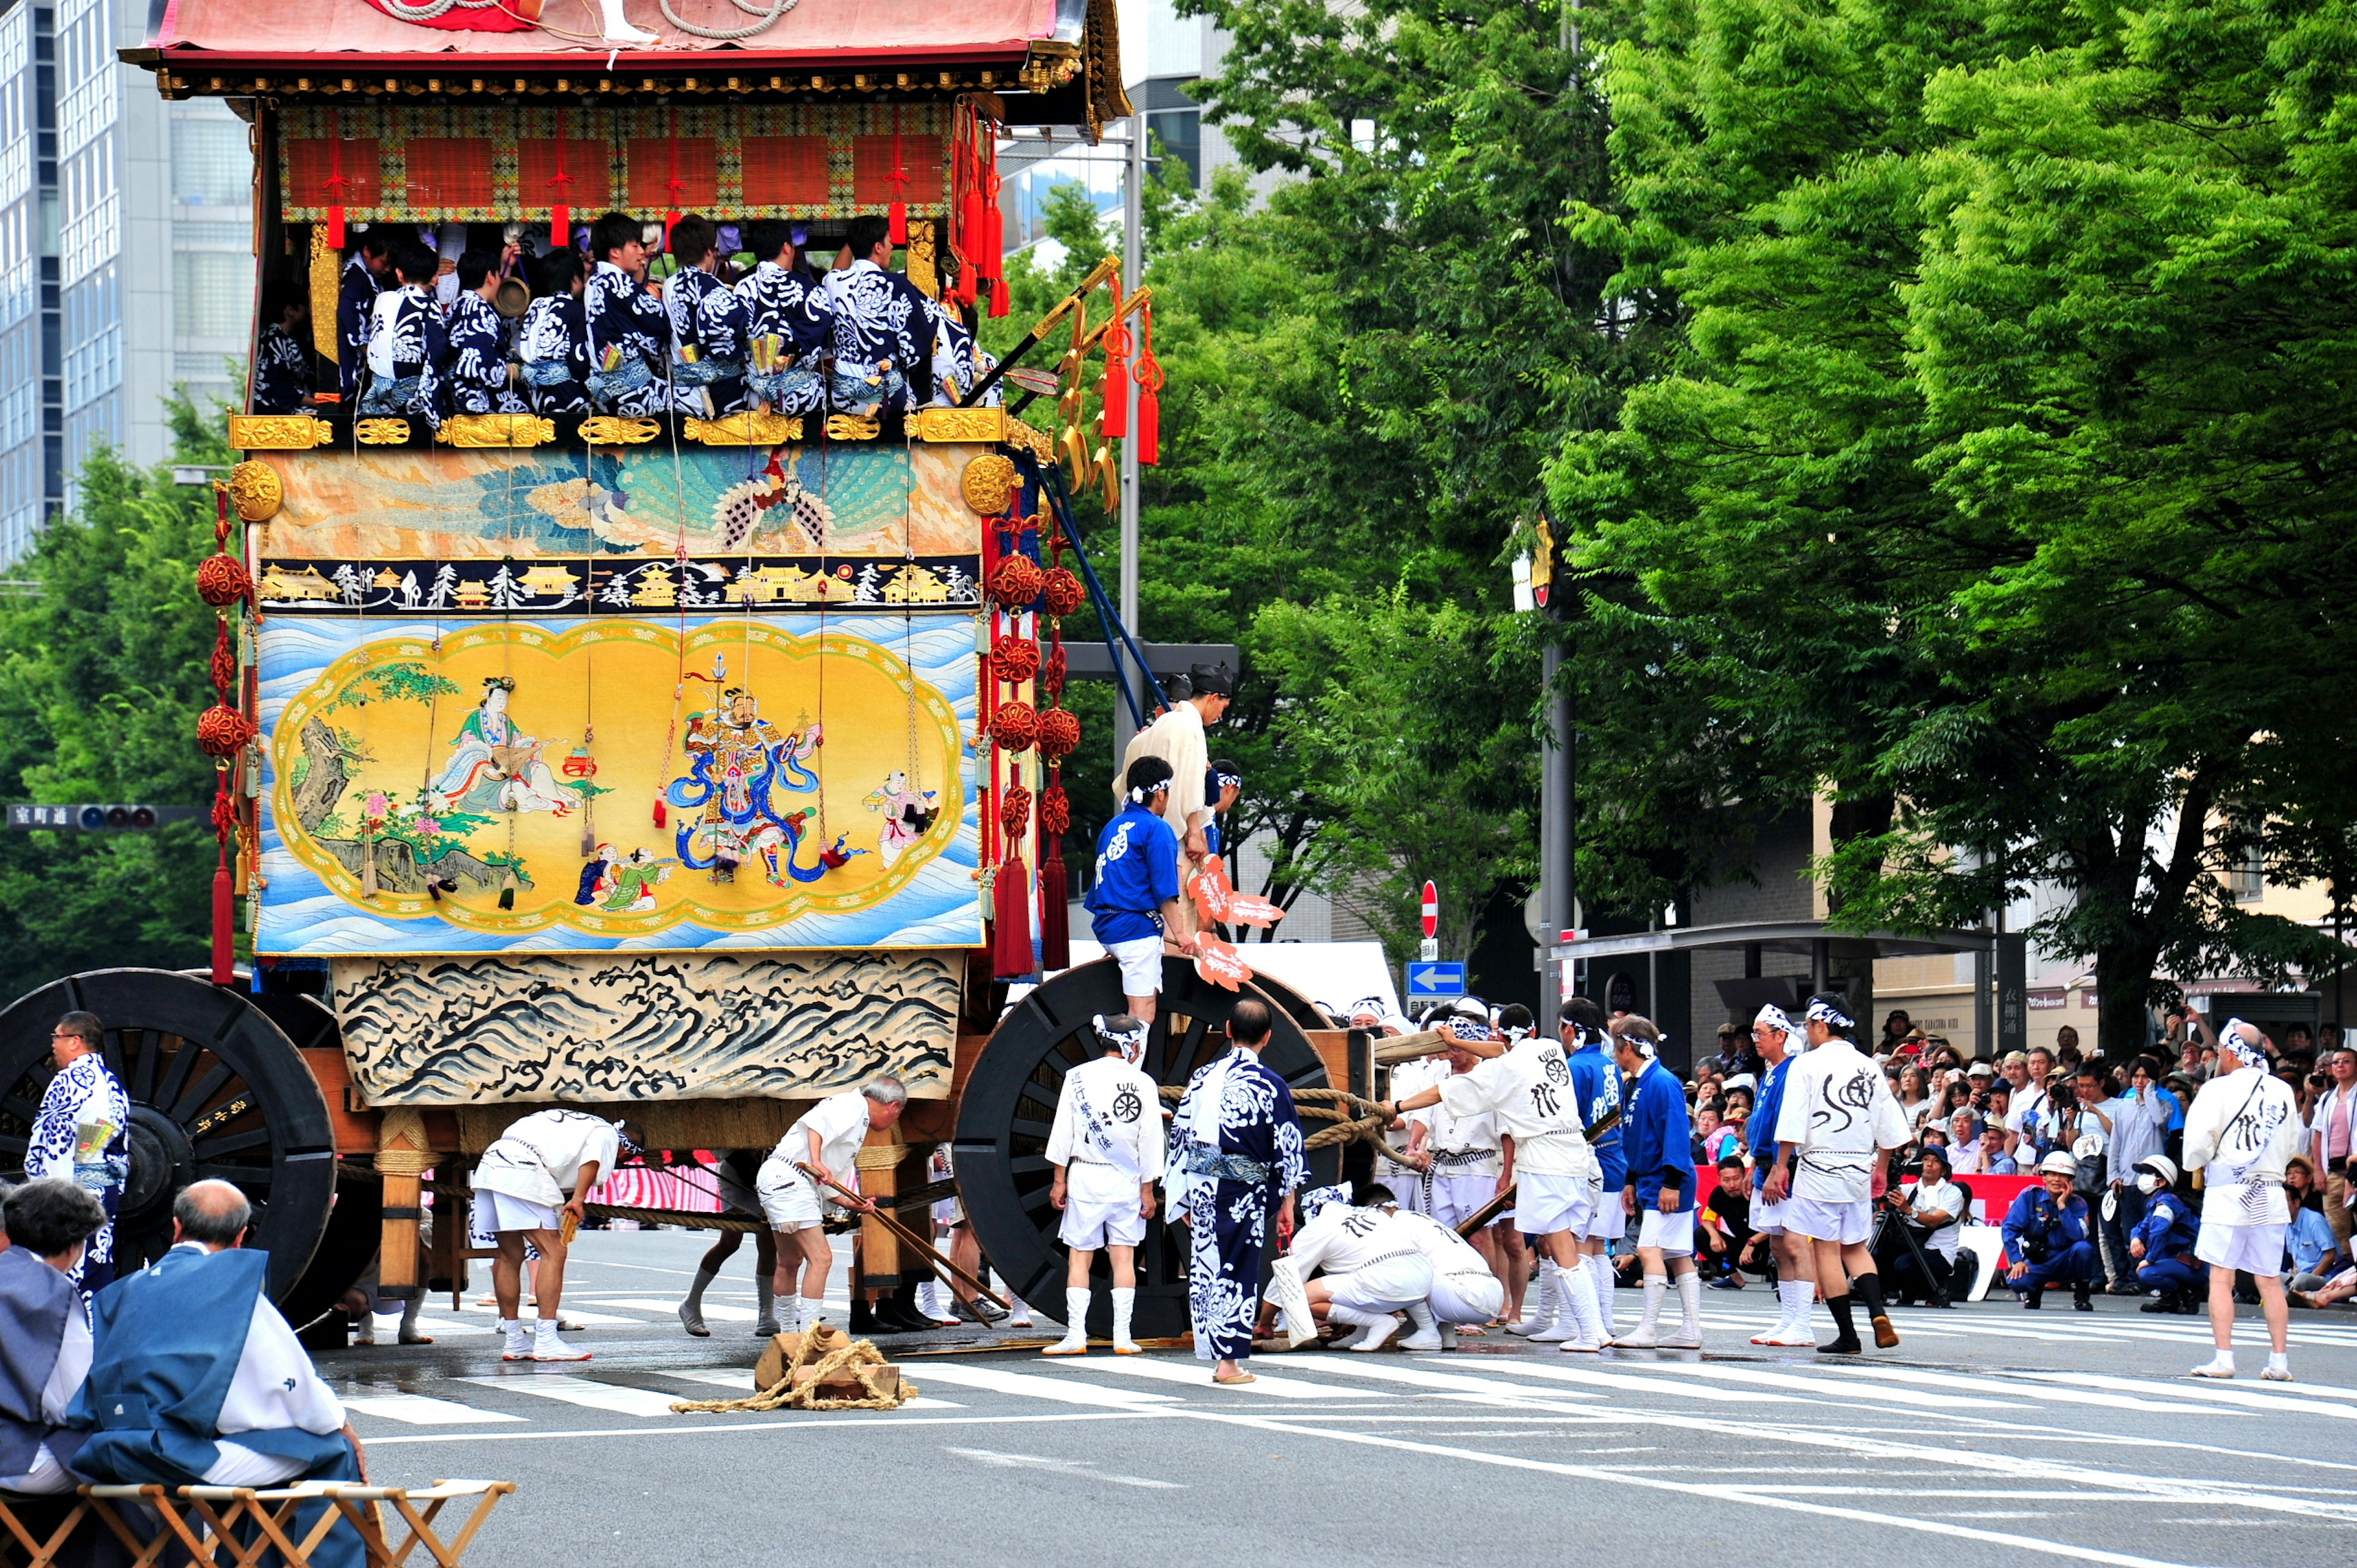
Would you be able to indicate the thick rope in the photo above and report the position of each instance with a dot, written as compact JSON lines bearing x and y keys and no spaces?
{"x":1355,"y":1120}
{"x":858,"y":1357}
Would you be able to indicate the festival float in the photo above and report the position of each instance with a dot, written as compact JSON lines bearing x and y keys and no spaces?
{"x":691,"y":767}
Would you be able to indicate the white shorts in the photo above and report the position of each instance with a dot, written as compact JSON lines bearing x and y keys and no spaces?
{"x":1387,"y":1285}
{"x":1141,"y":965}
{"x":1545,"y":1203}
{"x":790,"y":1200}
{"x":1101,"y":1208}
{"x":1473,"y":1296}
{"x":1848,"y":1223}
{"x":1606,"y":1219}
{"x":1766,"y":1219}
{"x":1457,"y":1199}
{"x":498,"y":1211}
{"x":1673,"y":1233}
{"x":2256,"y":1248}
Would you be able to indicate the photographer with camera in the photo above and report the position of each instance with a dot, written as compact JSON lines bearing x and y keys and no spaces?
{"x":2050,"y":1235}
{"x":1931,"y":1212}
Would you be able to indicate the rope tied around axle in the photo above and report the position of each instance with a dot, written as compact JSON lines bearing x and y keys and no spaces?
{"x":1354,"y":1120}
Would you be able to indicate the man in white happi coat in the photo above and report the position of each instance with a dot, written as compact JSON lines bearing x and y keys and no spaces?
{"x":1408,"y":1079}
{"x":1834,"y":1136}
{"x":1527,"y":1086}
{"x":1107,"y":1147}
{"x":2242,"y":1129}
{"x":1374,"y":1269}
{"x":1465,"y":1291}
{"x":826,"y":1138}
{"x":1463,"y":1160}
{"x":1780,"y":1044}
{"x":533,"y":1180}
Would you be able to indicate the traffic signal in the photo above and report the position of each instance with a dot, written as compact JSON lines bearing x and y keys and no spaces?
{"x":99,"y":819}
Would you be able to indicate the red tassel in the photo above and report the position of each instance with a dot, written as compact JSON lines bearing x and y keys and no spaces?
{"x":662,"y":818}
{"x":1055,"y":911}
{"x":1150,"y":380}
{"x":560,"y":228}
{"x":1116,"y":371}
{"x":224,"y":941}
{"x":335,"y":228}
{"x":1011,"y":956}
{"x":336,"y":185}
{"x":898,"y":216}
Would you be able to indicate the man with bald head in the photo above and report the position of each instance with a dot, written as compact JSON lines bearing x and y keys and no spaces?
{"x":195,"y":1378}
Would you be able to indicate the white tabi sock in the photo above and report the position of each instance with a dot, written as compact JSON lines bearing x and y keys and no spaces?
{"x":1689,"y":1302}
{"x":1579,"y":1303}
{"x":1541,"y":1301}
{"x":1599,"y":1270}
{"x":1076,"y":1312}
{"x":1655,"y":1286}
{"x":929,"y":1299}
{"x":1795,"y":1297}
{"x":1019,"y":1313}
{"x":513,"y":1329}
{"x":1125,"y":1307}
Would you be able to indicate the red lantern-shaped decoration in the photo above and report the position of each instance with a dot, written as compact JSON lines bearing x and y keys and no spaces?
{"x":1059,"y":734}
{"x":223,"y":731}
{"x":1062,"y":591}
{"x":1014,"y":659}
{"x":221,"y":580}
{"x":1015,"y":812}
{"x":1015,"y":582}
{"x":1014,"y":726}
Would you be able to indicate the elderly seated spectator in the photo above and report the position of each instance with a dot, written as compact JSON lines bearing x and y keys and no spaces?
{"x":195,"y":1378}
{"x":2050,"y":1234}
{"x":44,"y":1336}
{"x":2162,"y":1242}
{"x":1934,"y":1209}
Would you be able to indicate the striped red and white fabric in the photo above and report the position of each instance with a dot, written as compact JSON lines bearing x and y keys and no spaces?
{"x":694,"y":1191}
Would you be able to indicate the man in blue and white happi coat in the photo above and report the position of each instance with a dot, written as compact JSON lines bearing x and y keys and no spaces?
{"x":883,"y":328}
{"x":1236,"y":1157}
{"x":629,"y":332}
{"x":772,"y":326}
{"x":406,"y":341}
{"x":477,"y":377}
{"x":83,"y":1134}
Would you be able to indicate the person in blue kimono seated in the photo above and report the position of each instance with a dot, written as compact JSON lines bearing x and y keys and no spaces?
{"x":630,"y":336}
{"x":194,"y":1378}
{"x":1236,"y":1162}
{"x":405,"y":339}
{"x":43,"y":1335}
{"x":705,"y":382}
{"x":282,"y":366}
{"x":2162,"y":1243}
{"x":772,"y":326}
{"x":1134,"y":905}
{"x":553,"y":343}
{"x":356,"y":292}
{"x":883,"y":328}
{"x":2050,"y":1235}
{"x":477,"y":377}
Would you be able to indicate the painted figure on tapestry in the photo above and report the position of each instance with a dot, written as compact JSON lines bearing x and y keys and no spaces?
{"x":494,"y":767}
{"x":736,"y":760}
{"x":908,"y":813}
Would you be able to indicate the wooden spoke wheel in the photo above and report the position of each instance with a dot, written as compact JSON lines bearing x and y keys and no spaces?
{"x":1009,"y":1104}
{"x":217,"y":1089}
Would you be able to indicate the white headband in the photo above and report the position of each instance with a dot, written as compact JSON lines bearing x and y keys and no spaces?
{"x":1130,"y":1043}
{"x":1320,"y":1197}
{"x":1824,"y":1012}
{"x":1774,"y":1017}
{"x":2243,"y":1041}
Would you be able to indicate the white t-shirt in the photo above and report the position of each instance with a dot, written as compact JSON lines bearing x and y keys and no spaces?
{"x":1342,"y":1239}
{"x":1129,"y":1111}
{"x":2242,"y":1129}
{"x":1528,"y":1092}
{"x":1448,"y":1253}
{"x":841,"y":1123}
{"x":1462,"y":1133}
{"x":1410,"y":1078}
{"x":1838,"y":1110}
{"x":1943,"y":1197}
{"x":540,"y":1157}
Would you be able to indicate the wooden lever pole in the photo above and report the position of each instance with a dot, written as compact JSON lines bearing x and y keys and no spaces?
{"x":908,"y":1238}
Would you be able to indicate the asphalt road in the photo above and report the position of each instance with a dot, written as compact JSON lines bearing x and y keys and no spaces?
{"x":1991,"y":1435}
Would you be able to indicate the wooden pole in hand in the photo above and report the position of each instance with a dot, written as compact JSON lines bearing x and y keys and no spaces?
{"x":908,"y":1238}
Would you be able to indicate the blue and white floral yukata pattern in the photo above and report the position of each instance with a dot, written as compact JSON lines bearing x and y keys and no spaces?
{"x":776,"y":302}
{"x":475,"y":374}
{"x":883,"y":332}
{"x":282,"y":373}
{"x":405,"y":343}
{"x":620,"y":314}
{"x":1228,"y":1216}
{"x":555,"y":356}
{"x":85,"y":1094}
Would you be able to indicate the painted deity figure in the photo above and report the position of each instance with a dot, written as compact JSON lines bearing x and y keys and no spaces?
{"x":736,"y":761}
{"x":908,"y":813}
{"x":495,"y":767}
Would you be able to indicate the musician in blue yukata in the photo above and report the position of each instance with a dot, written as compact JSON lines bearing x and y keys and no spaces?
{"x":1236,"y":1162}
{"x":282,"y":367}
{"x":364,"y":278}
{"x":772,"y":326}
{"x":883,"y":327}
{"x":1134,"y":907}
{"x":553,"y":343}
{"x":630,"y":336}
{"x":82,"y":1133}
{"x":703,"y":383}
{"x":405,"y":339}
{"x":196,"y":1379}
{"x":476,"y":373}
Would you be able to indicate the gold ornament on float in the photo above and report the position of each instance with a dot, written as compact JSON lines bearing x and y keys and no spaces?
{"x":989,"y":483}
{"x":255,"y":491}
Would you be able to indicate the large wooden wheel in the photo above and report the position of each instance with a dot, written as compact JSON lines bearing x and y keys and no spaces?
{"x":1009,"y":1103}
{"x":217,"y":1089}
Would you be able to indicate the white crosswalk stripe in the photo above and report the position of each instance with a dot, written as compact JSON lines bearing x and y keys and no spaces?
{"x":1065,"y":1391}
{"x":1265,"y":1384}
{"x":418,"y":1410}
{"x":614,"y":1398}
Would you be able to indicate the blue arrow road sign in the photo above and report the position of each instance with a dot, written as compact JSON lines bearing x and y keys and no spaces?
{"x":1434,"y":982}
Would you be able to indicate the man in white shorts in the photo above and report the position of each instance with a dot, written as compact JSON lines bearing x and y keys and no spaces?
{"x":1107,"y":1146}
{"x":1595,"y":1080}
{"x":533,"y":1177}
{"x":1834,"y":1136}
{"x":1374,"y":1268}
{"x":1660,"y":1190}
{"x":1466,"y":1292}
{"x":1408,"y":1079}
{"x":1463,"y":1160}
{"x":1547,"y":1162}
{"x":827,"y":1138}
{"x":2242,"y":1129}
{"x":1134,"y":908}
{"x":1780,"y":1044}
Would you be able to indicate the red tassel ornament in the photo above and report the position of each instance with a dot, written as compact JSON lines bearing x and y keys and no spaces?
{"x":1116,"y":371}
{"x":1149,"y":391}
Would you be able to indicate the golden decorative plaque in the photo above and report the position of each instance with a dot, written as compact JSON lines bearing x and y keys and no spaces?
{"x":610,"y":430}
{"x":958,"y":423}
{"x":852,"y":427}
{"x":255,"y":491}
{"x":382,"y":432}
{"x":748,"y":429}
{"x":988,"y":483}
{"x":496,"y":430}
{"x":1032,"y":441}
{"x":278,"y":432}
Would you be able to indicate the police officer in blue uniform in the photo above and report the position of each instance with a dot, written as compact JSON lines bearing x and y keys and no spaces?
{"x":2050,"y":1234}
{"x":2162,"y":1242}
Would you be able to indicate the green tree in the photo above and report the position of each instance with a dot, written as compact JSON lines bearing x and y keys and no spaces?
{"x":104,"y":666}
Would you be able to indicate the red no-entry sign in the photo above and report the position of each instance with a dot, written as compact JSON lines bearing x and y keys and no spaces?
{"x":1431,"y":910}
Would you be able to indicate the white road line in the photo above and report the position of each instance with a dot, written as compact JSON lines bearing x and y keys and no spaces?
{"x":582,"y":1392}
{"x":743,"y":1383}
{"x":2054,"y":1396}
{"x":2193,"y":1388}
{"x":1266,"y":1383}
{"x":1825,"y":1387}
{"x":418,"y":1410}
{"x":1589,"y":1372}
{"x":1069,"y":1390}
{"x":832,"y":1420}
{"x":1080,"y":1469}
{"x":1347,"y":1365}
